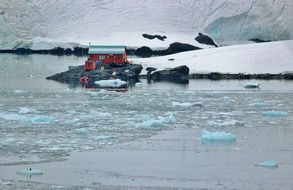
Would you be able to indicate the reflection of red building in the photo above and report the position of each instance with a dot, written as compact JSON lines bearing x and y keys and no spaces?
{"x":105,"y":55}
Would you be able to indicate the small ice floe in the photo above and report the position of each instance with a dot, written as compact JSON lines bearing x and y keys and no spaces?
{"x":103,"y":138}
{"x":81,"y":131}
{"x":12,"y":117}
{"x":268,"y":164}
{"x":42,"y":120}
{"x":275,"y":114}
{"x":25,"y":110}
{"x":152,"y":123}
{"x":257,"y":104}
{"x":252,"y":84}
{"x":217,"y":137}
{"x":229,"y":123}
{"x":149,"y":122}
{"x":169,"y":119}
{"x":30,"y":172}
{"x":187,"y":104}
{"x":110,"y":83}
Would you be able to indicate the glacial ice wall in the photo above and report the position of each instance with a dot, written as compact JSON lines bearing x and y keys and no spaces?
{"x":23,"y":23}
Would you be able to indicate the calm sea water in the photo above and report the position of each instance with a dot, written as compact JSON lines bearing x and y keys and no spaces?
{"x":45,"y":121}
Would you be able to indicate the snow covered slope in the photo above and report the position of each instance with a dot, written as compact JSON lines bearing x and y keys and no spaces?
{"x":272,"y":57}
{"x":28,"y":23}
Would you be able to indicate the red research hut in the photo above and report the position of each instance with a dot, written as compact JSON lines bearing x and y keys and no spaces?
{"x":105,"y":54}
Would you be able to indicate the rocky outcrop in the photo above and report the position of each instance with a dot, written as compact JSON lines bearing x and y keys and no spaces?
{"x":205,"y":39}
{"x":178,"y":75}
{"x":175,"y":47}
{"x":126,"y":73}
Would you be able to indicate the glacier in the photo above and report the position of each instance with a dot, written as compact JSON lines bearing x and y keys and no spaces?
{"x":41,"y":24}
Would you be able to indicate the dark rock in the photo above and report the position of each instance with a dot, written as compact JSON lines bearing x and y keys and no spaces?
{"x":178,"y":75}
{"x":205,"y":39}
{"x":257,"y":40}
{"x":150,"y":70}
{"x":151,"y":37}
{"x":144,"y":51}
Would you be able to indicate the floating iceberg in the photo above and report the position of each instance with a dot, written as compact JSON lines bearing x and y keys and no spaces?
{"x":268,"y":164}
{"x":30,"y":171}
{"x":110,"y":83}
{"x":187,"y":104}
{"x":42,"y":120}
{"x":275,"y":114}
{"x":252,"y":84}
{"x":217,"y":137}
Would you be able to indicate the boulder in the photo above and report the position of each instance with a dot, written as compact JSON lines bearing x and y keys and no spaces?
{"x":205,"y":39}
{"x":178,"y":75}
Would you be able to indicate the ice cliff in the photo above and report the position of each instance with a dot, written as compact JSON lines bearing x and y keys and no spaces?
{"x":34,"y":23}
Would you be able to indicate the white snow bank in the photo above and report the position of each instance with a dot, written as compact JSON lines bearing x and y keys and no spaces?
{"x":271,"y":57}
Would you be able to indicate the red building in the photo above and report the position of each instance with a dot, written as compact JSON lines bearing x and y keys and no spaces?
{"x":105,"y":55}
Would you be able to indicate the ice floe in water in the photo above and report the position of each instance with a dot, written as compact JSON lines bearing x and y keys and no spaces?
{"x":187,"y":104}
{"x":12,"y":117}
{"x":110,"y":83}
{"x":229,"y":123}
{"x":30,"y":171}
{"x":149,"y":122}
{"x":275,"y":114}
{"x":81,"y":131}
{"x":42,"y":120}
{"x":103,"y":137}
{"x":25,"y":110}
{"x":257,"y":104}
{"x":217,"y":137}
{"x":268,"y":164}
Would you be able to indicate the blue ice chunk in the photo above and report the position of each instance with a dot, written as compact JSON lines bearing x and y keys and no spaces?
{"x":268,"y":164}
{"x":217,"y":137}
{"x":275,"y":114}
{"x":42,"y":120}
{"x":30,"y":171}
